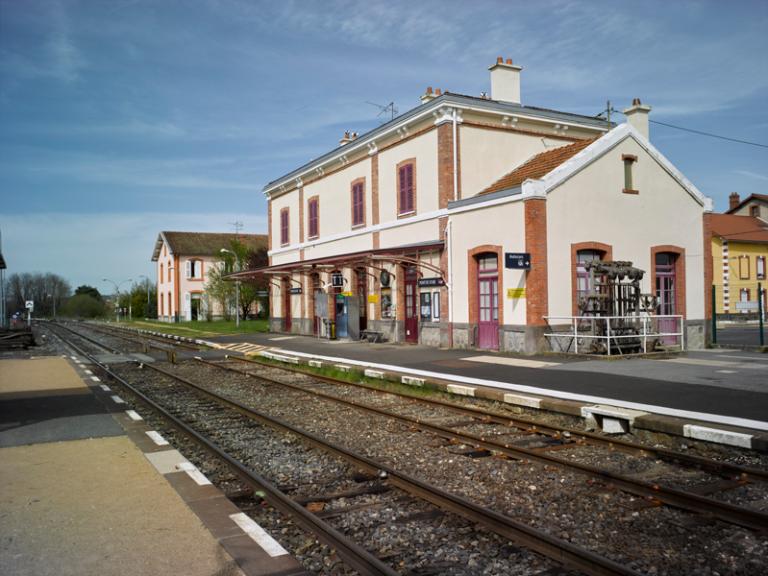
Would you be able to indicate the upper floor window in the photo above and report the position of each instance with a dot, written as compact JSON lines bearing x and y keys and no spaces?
{"x":743,"y":267}
{"x":629,"y":161}
{"x":194,"y":269}
{"x":754,"y":211}
{"x":169,"y":272}
{"x":406,"y":186}
{"x":760,"y":266}
{"x":284,"y":237}
{"x":161,"y":271}
{"x":358,"y":204}
{"x":313,"y":209}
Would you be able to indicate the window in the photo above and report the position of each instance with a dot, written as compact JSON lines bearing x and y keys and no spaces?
{"x":194,"y":269}
{"x":161,"y":272}
{"x":754,"y":211}
{"x":743,"y":267}
{"x":358,"y":204}
{"x":628,"y":160}
{"x":313,"y":209}
{"x":284,"y":238}
{"x":406,"y":189}
{"x":169,"y":272}
{"x":584,"y":287}
{"x":760,"y":265}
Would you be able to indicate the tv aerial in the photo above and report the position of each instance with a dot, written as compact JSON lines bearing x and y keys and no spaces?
{"x":390,"y":110}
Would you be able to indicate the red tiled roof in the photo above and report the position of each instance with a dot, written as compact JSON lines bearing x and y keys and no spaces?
{"x":739,"y":228}
{"x":538,"y":166}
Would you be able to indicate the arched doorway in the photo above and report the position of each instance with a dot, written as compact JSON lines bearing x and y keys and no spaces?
{"x":362,"y":296}
{"x":411,"y":305}
{"x":285,"y":292}
{"x":316,"y":295}
{"x":666,"y":293}
{"x":488,"y":301}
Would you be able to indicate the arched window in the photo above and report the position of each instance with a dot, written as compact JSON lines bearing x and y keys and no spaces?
{"x":584,"y":287}
{"x":161,"y":271}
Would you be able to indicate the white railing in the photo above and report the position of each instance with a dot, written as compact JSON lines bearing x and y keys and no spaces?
{"x":612,"y":329}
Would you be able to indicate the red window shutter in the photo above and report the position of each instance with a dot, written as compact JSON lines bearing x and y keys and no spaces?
{"x":284,"y":227}
{"x":408,"y":204}
{"x":357,"y":204}
{"x":402,"y":189}
{"x":313,"y":228}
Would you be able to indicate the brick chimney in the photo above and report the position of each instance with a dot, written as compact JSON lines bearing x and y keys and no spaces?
{"x":347,"y":138}
{"x":733,"y":200}
{"x":505,"y":81}
{"x":637,"y":117}
{"x":428,"y":95}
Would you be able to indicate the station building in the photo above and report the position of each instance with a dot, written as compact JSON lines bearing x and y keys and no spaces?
{"x":183,"y":261}
{"x":466,"y":222}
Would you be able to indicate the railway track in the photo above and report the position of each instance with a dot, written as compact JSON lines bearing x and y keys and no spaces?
{"x":475,"y":437}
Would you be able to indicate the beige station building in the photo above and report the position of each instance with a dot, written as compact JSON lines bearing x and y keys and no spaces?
{"x":467,"y":222}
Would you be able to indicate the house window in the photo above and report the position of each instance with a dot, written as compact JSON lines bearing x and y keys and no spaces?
{"x":743,"y":267}
{"x":584,"y":284}
{"x":169,"y":272}
{"x":760,"y":265}
{"x":754,"y":211}
{"x":194,"y":269}
{"x":313,"y":209}
{"x":284,"y":238}
{"x":629,"y":160}
{"x":406,"y":189}
{"x":358,"y":204}
{"x":161,"y":272}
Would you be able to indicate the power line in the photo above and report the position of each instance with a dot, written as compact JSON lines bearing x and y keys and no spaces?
{"x":701,"y":133}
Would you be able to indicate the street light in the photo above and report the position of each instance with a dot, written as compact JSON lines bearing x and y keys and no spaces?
{"x":146,"y":311}
{"x":237,"y":287}
{"x":117,"y":291}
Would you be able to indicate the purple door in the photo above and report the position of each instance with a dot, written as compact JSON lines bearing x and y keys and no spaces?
{"x":488,"y":302}
{"x":411,"y":307}
{"x":666,"y":286}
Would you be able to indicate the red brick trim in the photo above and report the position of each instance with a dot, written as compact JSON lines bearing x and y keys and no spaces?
{"x":310,"y":199}
{"x":607,"y":251}
{"x":352,"y":203}
{"x":630,"y":157}
{"x":537,"y":278}
{"x":415,"y":188}
{"x":679,"y":273}
{"x":630,"y":191}
{"x":445,"y":192}
{"x":442,"y":224}
{"x":269,"y":228}
{"x":472,"y":300}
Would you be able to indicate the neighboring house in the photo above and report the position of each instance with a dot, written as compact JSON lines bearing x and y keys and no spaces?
{"x":739,"y":253}
{"x":406,"y":229}
{"x":183,"y":262}
{"x":755,"y":205}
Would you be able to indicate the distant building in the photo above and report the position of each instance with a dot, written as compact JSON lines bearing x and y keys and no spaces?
{"x":739,"y":253}
{"x":184,"y":260}
{"x":468,"y":222}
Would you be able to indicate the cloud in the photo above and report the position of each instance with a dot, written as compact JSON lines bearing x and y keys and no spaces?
{"x":751,"y":174}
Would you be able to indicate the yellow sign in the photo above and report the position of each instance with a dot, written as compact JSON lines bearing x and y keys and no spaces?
{"x":373,"y":298}
{"x":346,"y":293}
{"x":513,"y":293}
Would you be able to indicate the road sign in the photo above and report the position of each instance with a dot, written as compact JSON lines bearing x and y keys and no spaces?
{"x":517,"y":260}
{"x":30,"y":305}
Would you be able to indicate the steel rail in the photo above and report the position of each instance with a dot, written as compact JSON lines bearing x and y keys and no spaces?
{"x":126,"y":334}
{"x":529,"y":425}
{"x":525,"y":535}
{"x":353,"y":554}
{"x":746,"y":517}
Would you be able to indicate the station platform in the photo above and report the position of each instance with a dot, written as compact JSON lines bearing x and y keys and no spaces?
{"x":717,"y":395}
{"x":86,"y":490}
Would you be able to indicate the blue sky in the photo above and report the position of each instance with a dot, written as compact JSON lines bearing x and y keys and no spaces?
{"x":122,"y":118}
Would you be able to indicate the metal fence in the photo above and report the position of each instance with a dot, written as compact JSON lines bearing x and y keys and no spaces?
{"x":614,"y":334}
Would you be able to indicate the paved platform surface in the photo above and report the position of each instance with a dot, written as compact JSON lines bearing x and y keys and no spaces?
{"x":733,"y":384}
{"x":81,"y":496}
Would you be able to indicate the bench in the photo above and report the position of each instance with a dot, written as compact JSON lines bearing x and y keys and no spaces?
{"x":371,"y":336}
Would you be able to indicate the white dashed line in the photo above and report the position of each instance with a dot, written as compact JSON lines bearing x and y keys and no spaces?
{"x":88,"y":372}
{"x":258,"y":534}
{"x":118,"y":400}
{"x":133,"y":415}
{"x":156,"y":438}
{"x":192,"y":471}
{"x":95,"y":378}
{"x":105,"y":387}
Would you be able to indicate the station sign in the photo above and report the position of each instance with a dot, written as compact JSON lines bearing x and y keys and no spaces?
{"x":515,"y":293}
{"x":296,"y":290}
{"x":337,"y":280}
{"x":431,"y":282}
{"x":517,"y":260}
{"x":262,"y":293}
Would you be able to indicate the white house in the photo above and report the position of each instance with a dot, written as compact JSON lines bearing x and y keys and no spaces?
{"x":413,"y":229}
{"x":184,"y":260}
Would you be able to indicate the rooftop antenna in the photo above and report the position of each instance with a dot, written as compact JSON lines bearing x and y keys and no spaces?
{"x":390,"y":109}
{"x":237,"y":225}
{"x":607,"y":112}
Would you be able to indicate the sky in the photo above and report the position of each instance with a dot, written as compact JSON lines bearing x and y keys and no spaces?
{"x":121,"y":118}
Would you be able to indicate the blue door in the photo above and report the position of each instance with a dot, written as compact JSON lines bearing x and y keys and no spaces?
{"x":341,"y":316}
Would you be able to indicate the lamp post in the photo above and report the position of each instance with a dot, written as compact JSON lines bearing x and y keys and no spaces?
{"x":237,"y":287}
{"x":117,"y":291}
{"x":146,"y":311}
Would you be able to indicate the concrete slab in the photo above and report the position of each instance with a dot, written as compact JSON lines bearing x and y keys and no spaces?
{"x":40,"y":374}
{"x":60,"y":517}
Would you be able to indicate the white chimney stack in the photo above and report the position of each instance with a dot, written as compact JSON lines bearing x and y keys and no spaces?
{"x":637,"y":117}
{"x":505,"y":81}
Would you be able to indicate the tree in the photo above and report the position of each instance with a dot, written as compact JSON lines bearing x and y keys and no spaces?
{"x":48,"y":291}
{"x":89,"y":291}
{"x":84,"y":306}
{"x":220,"y":290}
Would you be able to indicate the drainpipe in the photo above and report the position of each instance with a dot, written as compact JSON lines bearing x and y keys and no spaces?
{"x":449,"y":283}
{"x":455,"y":158}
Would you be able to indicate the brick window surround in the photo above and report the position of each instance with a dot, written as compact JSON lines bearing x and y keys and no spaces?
{"x":285,"y":236}
{"x":472,"y":272}
{"x":629,"y":161}
{"x":607,"y":255}
{"x":679,"y":273}
{"x":743,"y":267}
{"x":357,"y":202}
{"x":405,"y":175}
{"x":313,"y":217}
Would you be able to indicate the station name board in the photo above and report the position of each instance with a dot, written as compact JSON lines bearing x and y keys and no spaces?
{"x":517,"y":260}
